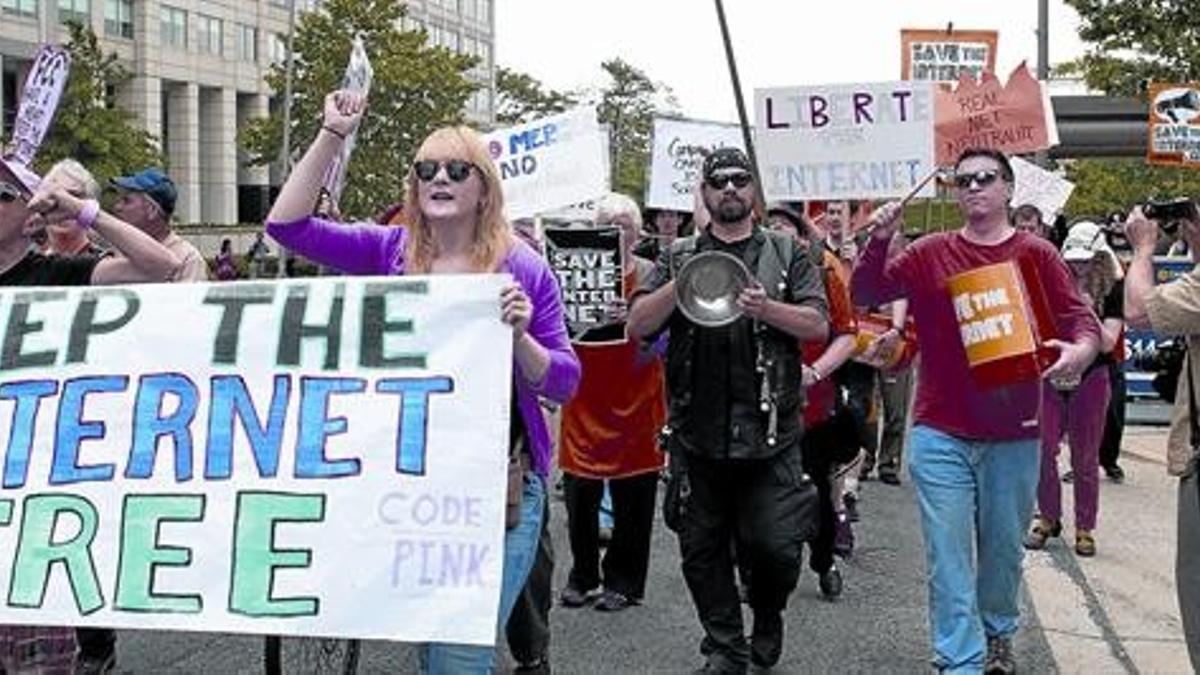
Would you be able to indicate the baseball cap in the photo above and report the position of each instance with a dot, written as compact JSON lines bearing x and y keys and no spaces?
{"x":154,"y":184}
{"x":21,"y":175}
{"x":1084,"y":240}
{"x":725,"y":158}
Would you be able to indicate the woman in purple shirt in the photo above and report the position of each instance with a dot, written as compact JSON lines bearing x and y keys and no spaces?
{"x":455,"y":225}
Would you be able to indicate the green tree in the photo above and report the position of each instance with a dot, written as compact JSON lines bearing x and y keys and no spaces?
{"x":89,"y":125}
{"x":521,"y":98}
{"x":1106,"y":185}
{"x":416,"y":89}
{"x":1136,"y":41}
{"x":628,"y":105}
{"x":1131,"y":43}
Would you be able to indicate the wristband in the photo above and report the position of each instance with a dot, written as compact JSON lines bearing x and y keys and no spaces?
{"x":335,"y":132}
{"x":817,"y":376}
{"x":88,"y":214}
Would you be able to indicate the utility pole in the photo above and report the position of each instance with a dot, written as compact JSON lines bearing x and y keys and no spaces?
{"x":741,"y":104}
{"x":1043,"y":66}
{"x":286,"y":151}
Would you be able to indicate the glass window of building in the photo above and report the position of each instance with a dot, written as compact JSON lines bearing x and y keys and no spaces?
{"x":75,"y":10}
{"x":19,"y":7}
{"x":277,"y":48}
{"x":247,"y":43}
{"x":174,"y":26}
{"x":208,"y":34}
{"x":118,"y":18}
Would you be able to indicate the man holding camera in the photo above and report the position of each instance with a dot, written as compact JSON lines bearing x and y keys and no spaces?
{"x":1174,"y":309}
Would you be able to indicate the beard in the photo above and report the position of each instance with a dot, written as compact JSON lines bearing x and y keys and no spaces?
{"x":730,"y":209}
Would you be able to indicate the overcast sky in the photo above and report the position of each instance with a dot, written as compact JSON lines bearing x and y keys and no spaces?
{"x":776,"y":42}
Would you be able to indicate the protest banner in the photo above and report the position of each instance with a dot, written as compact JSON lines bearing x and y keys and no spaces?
{"x":677,"y":157}
{"x":1174,"y":125}
{"x":587,"y":262}
{"x":1012,"y":118}
{"x":550,"y":163}
{"x":845,"y":141}
{"x":1034,"y":185}
{"x":39,"y":101}
{"x":944,"y":56}
{"x":318,"y":457}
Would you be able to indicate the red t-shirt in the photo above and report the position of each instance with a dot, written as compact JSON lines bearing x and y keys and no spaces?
{"x":948,"y":398}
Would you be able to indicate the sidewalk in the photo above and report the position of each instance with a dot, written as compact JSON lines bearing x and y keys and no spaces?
{"x":1116,"y":612}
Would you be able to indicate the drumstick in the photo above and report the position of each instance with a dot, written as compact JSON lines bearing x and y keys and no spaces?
{"x":932,"y":174}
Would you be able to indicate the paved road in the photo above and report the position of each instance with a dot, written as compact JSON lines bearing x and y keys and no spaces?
{"x":1113,"y":613}
{"x":878,"y":626}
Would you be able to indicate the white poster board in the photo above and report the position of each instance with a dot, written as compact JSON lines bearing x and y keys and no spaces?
{"x":1034,"y":185}
{"x":310,"y":457}
{"x":550,"y":163}
{"x":845,"y":141}
{"x":677,"y":158}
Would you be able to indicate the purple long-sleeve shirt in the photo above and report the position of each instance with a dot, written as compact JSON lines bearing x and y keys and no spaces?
{"x":370,"y":249}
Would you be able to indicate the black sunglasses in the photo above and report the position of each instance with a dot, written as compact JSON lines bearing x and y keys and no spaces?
{"x":981,"y":178}
{"x":739,"y":180}
{"x":9,"y":193}
{"x":456,"y":169}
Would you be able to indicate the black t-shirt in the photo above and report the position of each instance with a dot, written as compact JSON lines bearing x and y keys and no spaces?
{"x":36,"y":269}
{"x":1112,"y":307}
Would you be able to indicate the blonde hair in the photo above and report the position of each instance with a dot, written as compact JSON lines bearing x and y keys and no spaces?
{"x":493,"y":235}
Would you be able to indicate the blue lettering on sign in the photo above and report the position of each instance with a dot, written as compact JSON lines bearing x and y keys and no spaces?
{"x":73,"y":430}
{"x":413,"y":425}
{"x":150,"y":425}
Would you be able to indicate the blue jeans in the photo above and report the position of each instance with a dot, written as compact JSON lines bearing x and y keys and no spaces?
{"x":976,"y":499}
{"x":520,"y":548}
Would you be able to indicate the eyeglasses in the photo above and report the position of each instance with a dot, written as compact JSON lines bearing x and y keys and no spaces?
{"x":739,"y":180}
{"x":457,"y":170}
{"x":9,"y":193}
{"x":981,"y":178}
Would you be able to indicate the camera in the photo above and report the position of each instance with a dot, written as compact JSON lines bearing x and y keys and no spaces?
{"x":1168,"y":213}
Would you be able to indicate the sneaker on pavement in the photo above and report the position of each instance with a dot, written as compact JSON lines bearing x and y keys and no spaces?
{"x":1115,"y":473}
{"x":96,"y":665}
{"x":889,"y":478}
{"x":830,"y":582}
{"x":1085,"y":543}
{"x":1040,"y":531}
{"x":573,"y":597}
{"x":999,"y":657}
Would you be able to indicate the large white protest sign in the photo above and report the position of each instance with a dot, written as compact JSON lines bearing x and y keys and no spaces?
{"x":677,"y":158}
{"x":845,"y":141}
{"x":1034,"y":185}
{"x":318,"y":457}
{"x":550,"y":163}
{"x":39,"y":101}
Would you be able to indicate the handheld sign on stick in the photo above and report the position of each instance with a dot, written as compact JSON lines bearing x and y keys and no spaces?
{"x":357,"y":79}
{"x":39,"y":100}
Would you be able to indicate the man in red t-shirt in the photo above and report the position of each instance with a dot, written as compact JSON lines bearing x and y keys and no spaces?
{"x":974,"y":448}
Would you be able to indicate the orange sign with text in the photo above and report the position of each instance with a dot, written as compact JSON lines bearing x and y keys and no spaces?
{"x":994,"y":323}
{"x":1010,"y":118}
{"x":944,"y":56}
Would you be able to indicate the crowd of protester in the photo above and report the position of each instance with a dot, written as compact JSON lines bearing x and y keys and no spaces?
{"x":762,"y":430}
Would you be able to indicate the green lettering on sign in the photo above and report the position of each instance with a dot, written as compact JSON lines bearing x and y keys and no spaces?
{"x":142,"y":518}
{"x":38,"y":551}
{"x":255,"y":557}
